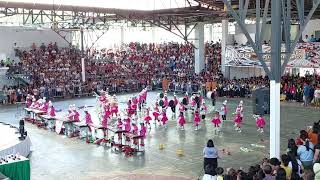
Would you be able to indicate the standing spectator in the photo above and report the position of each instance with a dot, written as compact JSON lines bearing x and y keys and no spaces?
{"x":285,"y":165}
{"x":281,"y":174}
{"x":210,"y":155}
{"x":316,"y":170}
{"x":316,"y":157}
{"x":306,"y":93}
{"x":267,"y":169}
{"x":305,"y":151}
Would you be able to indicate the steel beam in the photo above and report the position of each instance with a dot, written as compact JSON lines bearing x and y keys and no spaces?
{"x":294,"y":43}
{"x":245,"y":10}
{"x":257,"y":35}
{"x":265,"y":15}
{"x":246,"y":33}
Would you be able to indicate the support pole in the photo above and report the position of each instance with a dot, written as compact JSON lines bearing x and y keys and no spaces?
{"x":82,"y":41}
{"x":275,"y":81}
{"x":83,"y":70}
{"x":121,"y":35}
{"x":225,"y":33}
{"x":199,"y":55}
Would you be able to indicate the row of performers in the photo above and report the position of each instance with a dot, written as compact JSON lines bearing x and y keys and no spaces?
{"x":105,"y":102}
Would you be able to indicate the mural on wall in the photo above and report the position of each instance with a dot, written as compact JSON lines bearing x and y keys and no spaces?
{"x":306,"y":55}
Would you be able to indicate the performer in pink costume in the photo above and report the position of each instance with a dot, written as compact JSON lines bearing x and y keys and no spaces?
{"x":164,"y":119}
{"x":28,"y":100}
{"x":147,"y":118}
{"x":45,"y":106}
{"x":76,"y":115}
{"x":237,"y":119}
{"x":88,"y":118}
{"x":260,"y":122}
{"x":119,"y":124}
{"x":181,"y":108}
{"x":52,"y":111}
{"x":224,"y":110}
{"x":181,"y":121}
{"x":216,"y":120}
{"x":114,"y":109}
{"x":197,"y":119}
{"x":143,"y":132}
{"x":165,"y":101}
{"x":70,"y":113}
{"x":88,"y":121}
{"x":156,"y":113}
{"x":127,"y":125}
{"x":203,"y":111}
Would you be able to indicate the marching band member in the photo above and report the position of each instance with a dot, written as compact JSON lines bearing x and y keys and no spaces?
{"x":203,"y":110}
{"x":135,"y":131}
{"x":76,"y":114}
{"x":156,"y":113}
{"x":224,"y":110}
{"x":147,"y":118}
{"x":70,"y":113}
{"x":260,"y":122}
{"x":28,"y":101}
{"x":143,"y":132}
{"x":216,"y":120}
{"x":52,"y":111}
{"x":164,"y":119}
{"x":181,"y":121}
{"x":88,"y":121}
{"x":197,"y":119}
{"x":237,"y":119}
{"x":241,"y":109}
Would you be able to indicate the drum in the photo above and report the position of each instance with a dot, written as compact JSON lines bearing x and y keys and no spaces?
{"x":161,"y":103}
{"x":171,"y":103}
{"x":161,"y":95}
{"x":184,"y":101}
{"x":197,"y":99}
{"x":209,"y":94}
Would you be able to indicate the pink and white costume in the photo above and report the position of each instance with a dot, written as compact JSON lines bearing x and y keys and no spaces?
{"x":260,"y":122}
{"x":197,"y":119}
{"x":181,"y":120}
{"x":216,"y":120}
{"x":164,"y":118}
{"x":147,"y":118}
{"x":88,"y":118}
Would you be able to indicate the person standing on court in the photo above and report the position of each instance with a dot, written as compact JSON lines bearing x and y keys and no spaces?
{"x":210,"y":154}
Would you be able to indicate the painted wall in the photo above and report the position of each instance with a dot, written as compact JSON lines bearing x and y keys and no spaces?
{"x":24,"y":37}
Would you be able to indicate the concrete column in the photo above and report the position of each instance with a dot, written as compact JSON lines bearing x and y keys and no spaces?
{"x":225,"y":25}
{"x":199,"y":54}
{"x":121,"y":35}
{"x":83,"y":70}
{"x":210,"y":32}
{"x":153,"y":34}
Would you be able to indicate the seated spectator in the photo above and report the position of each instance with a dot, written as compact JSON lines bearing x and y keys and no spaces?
{"x":219,"y":172}
{"x":209,"y":173}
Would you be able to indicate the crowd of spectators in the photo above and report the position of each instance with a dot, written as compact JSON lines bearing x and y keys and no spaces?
{"x":56,"y":72}
{"x":300,"y":162}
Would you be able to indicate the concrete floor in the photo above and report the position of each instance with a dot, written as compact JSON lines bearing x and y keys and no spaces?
{"x":56,"y":157}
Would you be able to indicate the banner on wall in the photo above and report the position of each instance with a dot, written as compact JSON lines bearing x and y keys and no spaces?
{"x":304,"y":55}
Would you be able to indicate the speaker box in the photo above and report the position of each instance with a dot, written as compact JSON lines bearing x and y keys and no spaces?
{"x":261,"y":101}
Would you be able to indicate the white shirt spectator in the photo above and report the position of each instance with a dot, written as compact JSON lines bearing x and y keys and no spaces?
{"x":209,"y":177}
